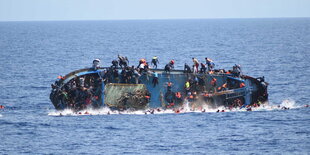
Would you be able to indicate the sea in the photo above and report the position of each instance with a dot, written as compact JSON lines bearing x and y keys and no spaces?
{"x":33,"y":54}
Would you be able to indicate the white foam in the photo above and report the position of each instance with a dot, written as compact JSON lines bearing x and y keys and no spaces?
{"x":288,"y":103}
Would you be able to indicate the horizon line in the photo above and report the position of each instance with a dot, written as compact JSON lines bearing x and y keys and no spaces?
{"x":139,"y":19}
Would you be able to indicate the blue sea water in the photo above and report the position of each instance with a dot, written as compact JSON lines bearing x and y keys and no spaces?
{"x":33,"y":54}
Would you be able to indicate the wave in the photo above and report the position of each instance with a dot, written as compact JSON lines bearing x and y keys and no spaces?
{"x":285,"y":105}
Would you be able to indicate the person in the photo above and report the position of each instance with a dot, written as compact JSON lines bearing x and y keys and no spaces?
{"x":213,"y":84}
{"x":202,"y":83}
{"x":114,"y":64}
{"x":187,"y":86}
{"x":96,"y":64}
{"x":146,"y":67}
{"x":123,"y":61}
{"x":203,"y":68}
{"x":210,"y":64}
{"x":236,"y":71}
{"x":169,"y":66}
{"x":241,"y":85}
{"x":196,"y":65}
{"x":155,"y":79}
{"x":142,"y":65}
{"x":223,"y":87}
{"x":155,"y":61}
{"x":178,"y":99}
{"x":187,"y":69}
{"x":141,"y":61}
{"x":190,"y":97}
{"x":238,"y":67}
{"x":124,"y":78}
{"x":169,"y":86}
{"x":115,"y":76}
{"x":136,"y":75}
{"x":170,"y":98}
{"x":171,"y":63}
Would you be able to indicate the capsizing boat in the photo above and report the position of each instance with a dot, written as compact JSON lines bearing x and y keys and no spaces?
{"x":126,"y":88}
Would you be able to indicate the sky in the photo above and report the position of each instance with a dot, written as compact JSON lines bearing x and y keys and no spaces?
{"x":41,"y":10}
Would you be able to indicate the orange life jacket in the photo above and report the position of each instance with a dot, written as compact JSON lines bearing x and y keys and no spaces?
{"x":169,"y":83}
{"x":213,"y":81}
{"x":142,"y":60}
{"x":178,"y":95}
{"x":242,"y":85}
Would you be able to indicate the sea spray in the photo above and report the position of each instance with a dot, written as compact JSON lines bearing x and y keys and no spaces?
{"x":286,"y":104}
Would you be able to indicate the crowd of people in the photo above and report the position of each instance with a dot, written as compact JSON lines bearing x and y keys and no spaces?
{"x":79,"y":93}
{"x":193,"y":89}
{"x":82,"y":91}
{"x":144,"y":67}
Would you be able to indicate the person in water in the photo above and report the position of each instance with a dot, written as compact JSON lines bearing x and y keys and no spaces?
{"x":155,"y":62}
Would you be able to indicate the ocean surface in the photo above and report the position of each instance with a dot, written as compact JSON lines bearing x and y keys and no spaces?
{"x":33,"y":54}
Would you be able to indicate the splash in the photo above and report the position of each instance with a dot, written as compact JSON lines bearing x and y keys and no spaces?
{"x":289,"y":103}
{"x":285,"y":105}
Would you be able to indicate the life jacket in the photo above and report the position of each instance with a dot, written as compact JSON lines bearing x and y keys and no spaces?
{"x":187,"y":84}
{"x":224,"y":85}
{"x":142,"y":60}
{"x":178,"y":95}
{"x":213,"y":82}
{"x":206,"y":95}
{"x":242,"y":85}
{"x":169,"y":84}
